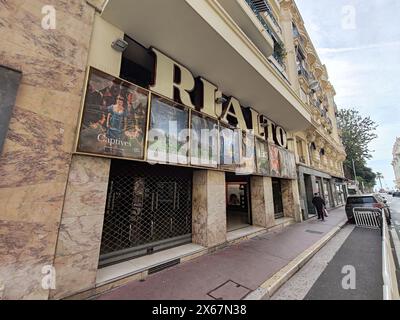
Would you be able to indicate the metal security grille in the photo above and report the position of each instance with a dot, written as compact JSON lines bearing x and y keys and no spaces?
{"x":149,"y":208}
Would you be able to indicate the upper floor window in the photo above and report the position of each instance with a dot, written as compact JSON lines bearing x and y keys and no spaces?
{"x":300,"y":150}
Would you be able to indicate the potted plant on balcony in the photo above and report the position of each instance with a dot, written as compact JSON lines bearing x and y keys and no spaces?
{"x":280,"y":52}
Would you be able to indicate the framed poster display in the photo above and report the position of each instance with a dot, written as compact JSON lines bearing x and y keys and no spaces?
{"x":247,"y":160}
{"x":262,"y":157}
{"x":203,"y":141}
{"x":230,"y":148}
{"x":168,"y":137}
{"x":114,"y":117}
{"x":275,"y":164}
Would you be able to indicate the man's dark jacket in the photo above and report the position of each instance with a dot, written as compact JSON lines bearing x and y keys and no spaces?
{"x":318,"y":202}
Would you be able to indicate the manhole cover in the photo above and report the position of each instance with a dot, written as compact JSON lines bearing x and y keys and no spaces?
{"x":229,"y":291}
{"x":315,"y":232}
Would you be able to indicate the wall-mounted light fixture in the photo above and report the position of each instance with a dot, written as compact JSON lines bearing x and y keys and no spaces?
{"x":119,"y":45}
{"x":220,"y":100}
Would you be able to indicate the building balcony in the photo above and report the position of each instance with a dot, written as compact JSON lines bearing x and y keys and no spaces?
{"x":319,"y":69}
{"x":302,"y":160}
{"x":250,"y":20}
{"x":303,"y":72}
{"x":222,"y":41}
{"x":262,"y":6}
{"x":299,"y":41}
{"x":311,"y":55}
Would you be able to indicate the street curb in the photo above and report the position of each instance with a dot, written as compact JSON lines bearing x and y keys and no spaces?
{"x":271,"y":285}
{"x":396,"y":244}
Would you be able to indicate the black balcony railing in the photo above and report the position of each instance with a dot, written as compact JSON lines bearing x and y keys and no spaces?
{"x":263,"y":6}
{"x":259,"y":6}
{"x":257,"y":12}
{"x":301,"y":70}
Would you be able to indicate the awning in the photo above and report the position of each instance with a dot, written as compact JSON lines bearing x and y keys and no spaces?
{"x":202,"y":36}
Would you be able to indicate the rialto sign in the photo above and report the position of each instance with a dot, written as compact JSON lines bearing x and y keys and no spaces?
{"x":177,"y":83}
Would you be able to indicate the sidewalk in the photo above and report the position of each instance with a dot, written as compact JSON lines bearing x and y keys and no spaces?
{"x":238,"y":271}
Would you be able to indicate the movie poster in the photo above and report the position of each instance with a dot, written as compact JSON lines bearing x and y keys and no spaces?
{"x":262,"y":157}
{"x":204,"y":141}
{"x":114,"y":117}
{"x":292,"y":170}
{"x":288,"y":164}
{"x":274,"y":161}
{"x":168,"y":138}
{"x":230,"y":148}
{"x":284,"y":163}
{"x":248,"y":160}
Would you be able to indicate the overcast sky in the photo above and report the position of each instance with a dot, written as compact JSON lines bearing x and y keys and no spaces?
{"x":359,"y":41}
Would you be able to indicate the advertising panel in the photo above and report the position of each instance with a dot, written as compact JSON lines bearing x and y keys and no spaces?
{"x":168,"y":138}
{"x":114,"y":117}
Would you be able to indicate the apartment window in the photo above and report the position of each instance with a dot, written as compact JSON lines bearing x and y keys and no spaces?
{"x":300,"y":150}
{"x":304,"y":96}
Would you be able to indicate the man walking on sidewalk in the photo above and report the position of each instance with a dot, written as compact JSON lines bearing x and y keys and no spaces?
{"x":319,"y":204}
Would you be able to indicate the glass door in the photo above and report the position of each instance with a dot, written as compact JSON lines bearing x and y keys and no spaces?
{"x":278,"y":201}
{"x":237,"y":204}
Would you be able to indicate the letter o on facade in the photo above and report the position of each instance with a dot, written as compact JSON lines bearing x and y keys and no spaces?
{"x":281,"y":136}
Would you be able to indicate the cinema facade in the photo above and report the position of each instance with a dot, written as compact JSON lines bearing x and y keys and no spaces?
{"x":157,"y":141}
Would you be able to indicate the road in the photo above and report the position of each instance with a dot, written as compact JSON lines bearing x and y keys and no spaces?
{"x":348,"y":268}
{"x":322,"y":277}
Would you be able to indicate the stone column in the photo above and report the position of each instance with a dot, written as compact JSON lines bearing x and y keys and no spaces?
{"x":291,"y":200}
{"x":334,"y":193}
{"x":287,"y":33}
{"x":320,"y":144}
{"x":303,"y":194}
{"x":314,"y":184}
{"x":209,"y":208}
{"x":79,"y":240}
{"x":262,"y":203}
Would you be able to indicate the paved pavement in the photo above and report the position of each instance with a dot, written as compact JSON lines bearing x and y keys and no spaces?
{"x":231,"y":273}
{"x":361,"y":256}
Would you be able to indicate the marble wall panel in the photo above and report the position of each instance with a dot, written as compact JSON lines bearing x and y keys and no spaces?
{"x":291,"y":199}
{"x":262,"y":202}
{"x":79,"y":240}
{"x":34,"y":165}
{"x":23,"y":280}
{"x":74,"y":273}
{"x":68,"y":42}
{"x":199,"y":208}
{"x":209,"y":208}
{"x":36,"y":155}
{"x":21,"y":241}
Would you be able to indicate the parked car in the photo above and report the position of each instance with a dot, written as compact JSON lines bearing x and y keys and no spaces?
{"x":396,"y":194}
{"x":367,"y":201}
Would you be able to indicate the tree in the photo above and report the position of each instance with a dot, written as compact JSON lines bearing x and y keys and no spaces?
{"x":380,"y":176}
{"x":357,"y":134}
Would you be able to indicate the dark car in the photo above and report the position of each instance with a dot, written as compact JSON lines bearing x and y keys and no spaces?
{"x":366,"y":201}
{"x":396,"y":194}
